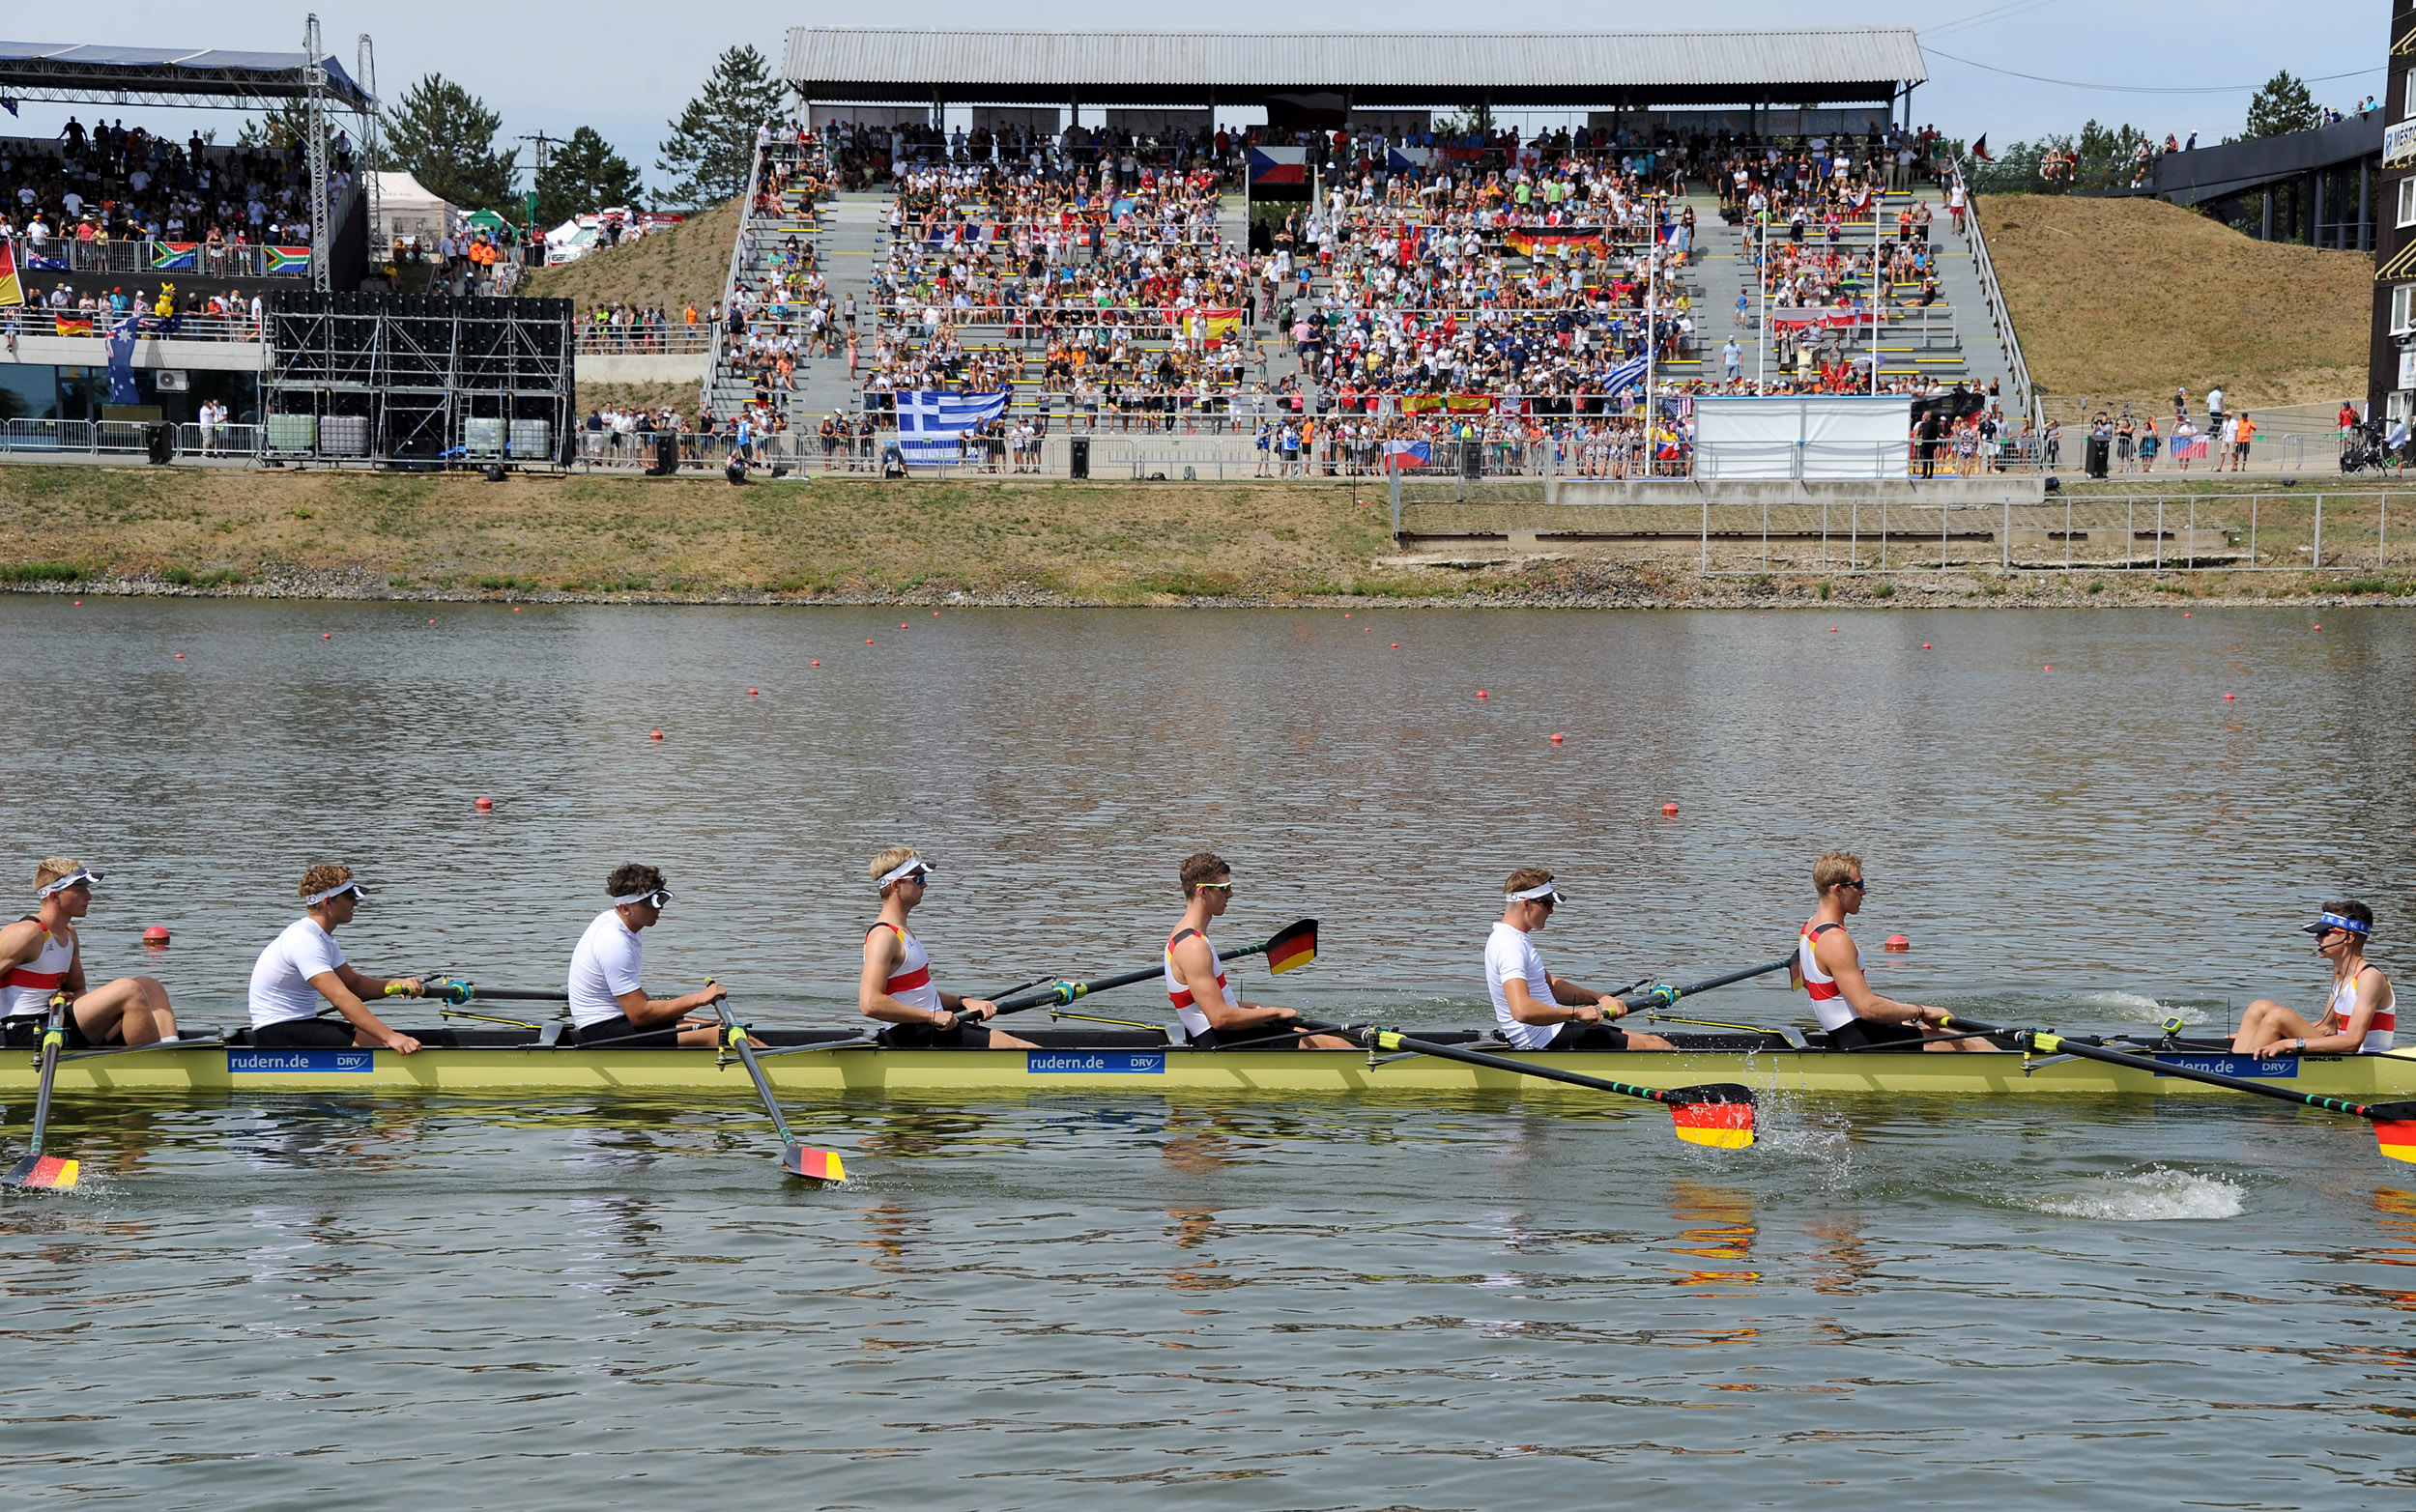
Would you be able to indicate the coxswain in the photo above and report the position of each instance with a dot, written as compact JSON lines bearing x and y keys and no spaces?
{"x":302,"y":973}
{"x":41,"y":956}
{"x":1536,"y":1010}
{"x":2358,"y":1019}
{"x":1211,"y":1008}
{"x":1830,"y":970}
{"x":608,"y":1001}
{"x":896,"y":988}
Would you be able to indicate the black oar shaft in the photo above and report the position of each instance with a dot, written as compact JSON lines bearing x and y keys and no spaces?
{"x":52,"y":1037}
{"x":1061,"y":994}
{"x":736,"y":1037}
{"x":1387,"y":1039}
{"x":2046,"y":1043}
{"x":1762,"y":970}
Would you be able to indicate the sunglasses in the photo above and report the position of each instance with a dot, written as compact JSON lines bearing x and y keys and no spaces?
{"x":1225,"y":888}
{"x":1859,"y":884}
{"x":656,"y":898}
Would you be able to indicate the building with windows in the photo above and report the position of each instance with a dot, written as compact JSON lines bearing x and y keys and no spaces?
{"x":2391,"y":362}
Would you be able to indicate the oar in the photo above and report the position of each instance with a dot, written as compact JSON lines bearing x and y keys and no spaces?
{"x":456,"y":990}
{"x":1667,"y":997}
{"x":814,"y":1165}
{"x":1292,"y":946}
{"x":1717,"y":1114}
{"x":36,"y":1171}
{"x":2395,"y":1123}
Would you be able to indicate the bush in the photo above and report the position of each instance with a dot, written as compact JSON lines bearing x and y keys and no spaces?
{"x":1820,"y":591}
{"x":2097,"y":586}
{"x":1884,"y":590}
{"x":41,"y":572}
{"x":186,"y":578}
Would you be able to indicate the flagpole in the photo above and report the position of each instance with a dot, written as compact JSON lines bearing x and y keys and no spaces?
{"x":1651,"y":337}
{"x":1876,"y":243}
{"x":1762,"y":327}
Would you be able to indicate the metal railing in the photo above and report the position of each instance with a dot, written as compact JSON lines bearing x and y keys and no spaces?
{"x":740,"y":249}
{"x":603,"y":340}
{"x":32,"y":320}
{"x":160,"y":259}
{"x":1993,"y":298}
{"x":114,"y":437}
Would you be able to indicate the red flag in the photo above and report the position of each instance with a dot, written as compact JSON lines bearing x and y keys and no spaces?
{"x":1979,"y":149}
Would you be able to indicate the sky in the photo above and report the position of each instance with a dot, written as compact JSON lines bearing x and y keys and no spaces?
{"x":626,"y":69}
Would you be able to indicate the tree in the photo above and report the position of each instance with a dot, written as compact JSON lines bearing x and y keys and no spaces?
{"x":583,"y":174}
{"x":2282,"y":106}
{"x":444,"y":135}
{"x":713,"y":144}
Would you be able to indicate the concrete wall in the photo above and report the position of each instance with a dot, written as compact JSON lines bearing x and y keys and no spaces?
{"x":1962,"y":493}
{"x":224,"y":356}
{"x":679,"y":367}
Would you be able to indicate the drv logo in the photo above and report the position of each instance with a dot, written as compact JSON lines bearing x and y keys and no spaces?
{"x":1095,"y":1063}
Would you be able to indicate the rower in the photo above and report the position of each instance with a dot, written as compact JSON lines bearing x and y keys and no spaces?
{"x":608,"y":1001}
{"x":2359,"y":1016}
{"x":1830,"y":970}
{"x":1564,"y":1016}
{"x":302,"y":973}
{"x":896,"y":988}
{"x":1211,"y":1008}
{"x":39,"y":956}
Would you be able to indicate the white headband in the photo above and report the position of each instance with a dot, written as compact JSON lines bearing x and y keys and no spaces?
{"x":903,"y":870}
{"x":1541,"y":890}
{"x":348,"y":885}
{"x":647,"y":897}
{"x":62,"y":884}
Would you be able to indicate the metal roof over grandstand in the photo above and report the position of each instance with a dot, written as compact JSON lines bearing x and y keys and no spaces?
{"x":186,"y":76}
{"x":1547,"y":69}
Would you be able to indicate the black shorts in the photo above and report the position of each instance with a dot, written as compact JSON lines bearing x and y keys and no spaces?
{"x":25,"y":1034}
{"x":1860,"y":1031}
{"x":304,"y":1034}
{"x":626,"y":1036}
{"x":1587,"y":1037}
{"x":962,"y":1035}
{"x":1252,"y":1039}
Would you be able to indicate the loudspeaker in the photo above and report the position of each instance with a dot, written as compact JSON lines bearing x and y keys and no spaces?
{"x":495,"y":472}
{"x":159,"y":439}
{"x":1078,"y":457}
{"x":666,"y":454}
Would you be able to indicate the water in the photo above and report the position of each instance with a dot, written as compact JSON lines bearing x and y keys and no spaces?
{"x":1086,"y":1300}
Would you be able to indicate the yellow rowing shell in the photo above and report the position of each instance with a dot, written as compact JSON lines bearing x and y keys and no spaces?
{"x":1172,"y":1071}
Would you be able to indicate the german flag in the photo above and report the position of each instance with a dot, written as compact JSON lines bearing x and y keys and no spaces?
{"x":74,"y":324}
{"x":1719,"y":1125}
{"x":1296,"y":946}
{"x":2398,"y":1139}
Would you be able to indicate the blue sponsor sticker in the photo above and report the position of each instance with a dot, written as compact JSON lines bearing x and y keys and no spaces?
{"x":1095,"y":1063}
{"x":2235,"y":1065}
{"x":275,"y":1063}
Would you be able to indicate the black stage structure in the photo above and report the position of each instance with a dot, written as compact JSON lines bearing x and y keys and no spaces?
{"x":1624,"y":71}
{"x":418,"y":382}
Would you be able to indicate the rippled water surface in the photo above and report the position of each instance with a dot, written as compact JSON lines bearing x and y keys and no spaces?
{"x":1095,"y":1300}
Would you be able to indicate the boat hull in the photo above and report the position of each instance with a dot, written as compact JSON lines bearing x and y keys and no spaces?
{"x":1170,"y":1072}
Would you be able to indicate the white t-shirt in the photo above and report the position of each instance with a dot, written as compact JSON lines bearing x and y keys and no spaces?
{"x":1511,"y":952}
{"x":281,"y":979}
{"x":606,"y":964}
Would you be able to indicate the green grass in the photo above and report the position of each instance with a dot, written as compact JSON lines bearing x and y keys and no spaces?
{"x":186,"y":578}
{"x":41,"y":572}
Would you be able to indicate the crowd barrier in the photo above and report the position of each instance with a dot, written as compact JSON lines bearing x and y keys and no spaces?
{"x":160,"y":259}
{"x":97,"y":437}
{"x":32,"y":320}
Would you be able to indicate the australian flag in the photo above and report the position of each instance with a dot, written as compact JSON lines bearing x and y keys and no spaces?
{"x":930,"y":422}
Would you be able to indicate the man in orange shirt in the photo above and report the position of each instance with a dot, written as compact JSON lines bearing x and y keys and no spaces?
{"x":2241,"y":440}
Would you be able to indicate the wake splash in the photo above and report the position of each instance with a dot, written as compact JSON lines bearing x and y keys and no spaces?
{"x":2134,"y":1006}
{"x":2151,"y":1197}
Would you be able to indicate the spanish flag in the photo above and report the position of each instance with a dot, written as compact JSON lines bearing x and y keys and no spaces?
{"x":11,"y":291}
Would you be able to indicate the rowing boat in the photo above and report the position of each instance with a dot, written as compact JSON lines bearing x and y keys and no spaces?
{"x":809,"y":1062}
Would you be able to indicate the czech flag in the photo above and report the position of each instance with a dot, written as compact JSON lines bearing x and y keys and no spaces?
{"x":1407,"y":454}
{"x":1279,"y":165}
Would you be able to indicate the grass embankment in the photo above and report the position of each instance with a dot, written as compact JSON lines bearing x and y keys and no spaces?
{"x":2127,"y":298}
{"x":350,"y":534}
{"x":614,"y":535}
{"x":668,"y":267}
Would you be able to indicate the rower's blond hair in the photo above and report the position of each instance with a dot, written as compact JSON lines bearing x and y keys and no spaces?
{"x":1526,"y":878}
{"x":321,"y":877}
{"x":1833,"y":867}
{"x":889,"y":861}
{"x":52,"y":870}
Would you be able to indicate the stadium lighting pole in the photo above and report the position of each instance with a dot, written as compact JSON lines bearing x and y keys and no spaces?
{"x":314,"y":103}
{"x":1877,"y":201}
{"x":1761,"y":328}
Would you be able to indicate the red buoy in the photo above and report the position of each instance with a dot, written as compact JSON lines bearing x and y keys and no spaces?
{"x":654,"y":735}
{"x":156,"y":936}
{"x":2227,"y":698}
{"x":818,"y":663}
{"x":432,"y":621}
{"x":1669,"y":810}
{"x":2319,"y":627}
{"x":328,"y":635}
{"x":1897,"y":942}
{"x":180,"y":656}
{"x":1481,"y":693}
{"x":868,"y":639}
{"x":1925,"y":646}
{"x":2185,"y":614}
{"x":2048,"y":667}
{"x":1557,"y":737}
{"x":901,"y":625}
{"x":749,"y":693}
{"x":1396,"y":645}
{"x":482,"y":803}
{"x":1346,"y":616}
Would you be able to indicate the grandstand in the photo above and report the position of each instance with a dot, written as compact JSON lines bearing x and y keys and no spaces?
{"x":1489,"y":292}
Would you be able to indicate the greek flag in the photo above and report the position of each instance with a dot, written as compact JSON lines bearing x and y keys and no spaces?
{"x":1628,"y":375}
{"x":930,"y":421}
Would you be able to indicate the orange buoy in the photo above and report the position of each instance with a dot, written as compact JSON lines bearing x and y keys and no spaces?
{"x":482,"y":803}
{"x":156,"y":936}
{"x":1557,"y":737}
{"x":1897,"y":942}
{"x":654,"y":734}
{"x":1669,"y":810}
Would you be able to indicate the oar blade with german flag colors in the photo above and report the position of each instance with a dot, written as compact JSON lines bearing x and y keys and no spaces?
{"x":43,"y":1173}
{"x":1293,"y":944}
{"x":814,"y":1165}
{"x":1717,"y":1117}
{"x":2394,"y":1129}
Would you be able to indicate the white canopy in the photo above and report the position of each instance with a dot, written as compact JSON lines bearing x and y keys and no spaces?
{"x":407,"y":210}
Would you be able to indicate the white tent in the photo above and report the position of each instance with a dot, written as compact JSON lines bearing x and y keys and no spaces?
{"x":406,"y":210}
